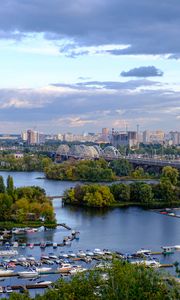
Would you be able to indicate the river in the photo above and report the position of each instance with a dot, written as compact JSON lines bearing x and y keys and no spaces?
{"x":122,"y":229}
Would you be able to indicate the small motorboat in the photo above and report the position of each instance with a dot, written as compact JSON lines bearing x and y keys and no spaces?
{"x":30,"y":258}
{"x":8,"y":289}
{"x":143,"y":252}
{"x":77,"y":269}
{"x":22,"y":258}
{"x":89,"y":253}
{"x":81,"y":254}
{"x":98,"y":252}
{"x":5,"y":272}
{"x":1,"y":289}
{"x":31,"y":246}
{"x":52,"y":256}
{"x":44,"y":282}
{"x":65,"y":268}
{"x":55,"y":245}
{"x":43,"y":270}
{"x":44,"y":256}
{"x":168,"y":250}
{"x":15,"y":244}
{"x":28,"y":274}
{"x":177,"y":247}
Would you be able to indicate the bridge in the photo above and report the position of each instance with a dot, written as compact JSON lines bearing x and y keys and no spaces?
{"x":154,"y":162}
{"x":148,"y":162}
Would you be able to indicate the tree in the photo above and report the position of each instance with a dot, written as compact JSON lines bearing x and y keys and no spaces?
{"x":10,"y":185}
{"x":2,"y":185}
{"x":170,"y":173}
{"x":121,"y":192}
{"x":141,"y":192}
{"x":121,"y":167}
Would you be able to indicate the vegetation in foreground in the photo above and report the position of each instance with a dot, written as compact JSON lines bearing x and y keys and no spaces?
{"x":123,"y":281}
{"x":23,"y":205}
{"x":165,"y":193}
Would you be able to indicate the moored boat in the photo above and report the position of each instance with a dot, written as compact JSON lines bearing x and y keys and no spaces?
{"x":168,"y":250}
{"x":64,"y":268}
{"x":28,"y":274}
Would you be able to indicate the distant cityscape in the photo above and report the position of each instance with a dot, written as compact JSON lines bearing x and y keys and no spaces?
{"x":130,"y":139}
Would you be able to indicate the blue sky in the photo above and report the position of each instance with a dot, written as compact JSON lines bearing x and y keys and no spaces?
{"x":82,"y":65}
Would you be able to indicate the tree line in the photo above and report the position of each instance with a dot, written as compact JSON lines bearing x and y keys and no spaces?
{"x":166,"y":192}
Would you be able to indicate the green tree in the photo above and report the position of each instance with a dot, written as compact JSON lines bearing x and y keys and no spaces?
{"x":170,"y":173}
{"x":121,"y":167}
{"x":10,"y":185}
{"x":2,"y":185}
{"x":121,"y":192}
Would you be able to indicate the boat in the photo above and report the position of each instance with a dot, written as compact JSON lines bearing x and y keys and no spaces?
{"x":65,"y":268}
{"x":52,"y":256}
{"x":31,"y":258}
{"x":8,"y":289}
{"x":22,"y":258}
{"x":28,"y":274}
{"x":177,"y":247}
{"x":8,"y":252}
{"x":55,"y":245}
{"x":71,"y":254}
{"x":143,"y":252}
{"x":147,"y":263}
{"x":44,"y":257}
{"x":43,"y":270}
{"x":1,"y":289}
{"x":98,"y":252}
{"x":5,"y":272}
{"x":44,"y":282}
{"x":77,"y":269}
{"x":31,"y":246}
{"x":168,"y":250}
{"x":89,"y":253}
{"x":77,"y":234}
{"x":81,"y":253}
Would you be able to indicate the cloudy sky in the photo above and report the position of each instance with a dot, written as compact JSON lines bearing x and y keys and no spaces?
{"x":80,"y":65}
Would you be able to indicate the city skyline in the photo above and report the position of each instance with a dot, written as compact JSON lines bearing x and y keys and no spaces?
{"x":79,"y":65}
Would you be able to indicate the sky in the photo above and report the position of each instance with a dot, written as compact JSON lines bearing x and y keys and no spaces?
{"x":81,"y":65}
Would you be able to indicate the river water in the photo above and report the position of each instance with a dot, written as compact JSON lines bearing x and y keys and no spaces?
{"x":122,"y":229}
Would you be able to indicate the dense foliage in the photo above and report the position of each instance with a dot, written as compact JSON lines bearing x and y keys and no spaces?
{"x":29,"y":162}
{"x":123,"y":281}
{"x":166,"y":192}
{"x":85,"y":170}
{"x":24,"y":203}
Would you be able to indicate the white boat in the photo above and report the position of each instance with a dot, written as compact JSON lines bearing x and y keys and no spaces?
{"x":43,"y":270}
{"x":44,"y":282}
{"x":81,"y":254}
{"x":53,"y":256}
{"x":89,"y":253}
{"x":65,"y":268}
{"x":147,"y":263}
{"x":143,"y":251}
{"x":77,"y":269}
{"x":8,"y":252}
{"x":55,"y":245}
{"x":98,"y":252}
{"x":44,"y":257}
{"x":31,"y":258}
{"x":28,"y":274}
{"x":168,"y":249}
{"x":1,"y":289}
{"x":177,"y":247}
{"x":5,"y":272}
{"x":22,"y":258}
{"x":71,"y":254}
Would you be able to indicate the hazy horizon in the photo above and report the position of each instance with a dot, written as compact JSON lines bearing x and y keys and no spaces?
{"x":86,"y":64}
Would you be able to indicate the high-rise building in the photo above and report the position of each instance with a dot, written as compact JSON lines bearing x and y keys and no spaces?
{"x":128,"y":139}
{"x":32,"y":137}
{"x":24,"y":136}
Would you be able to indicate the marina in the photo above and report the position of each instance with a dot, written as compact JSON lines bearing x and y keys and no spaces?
{"x":115,"y":232}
